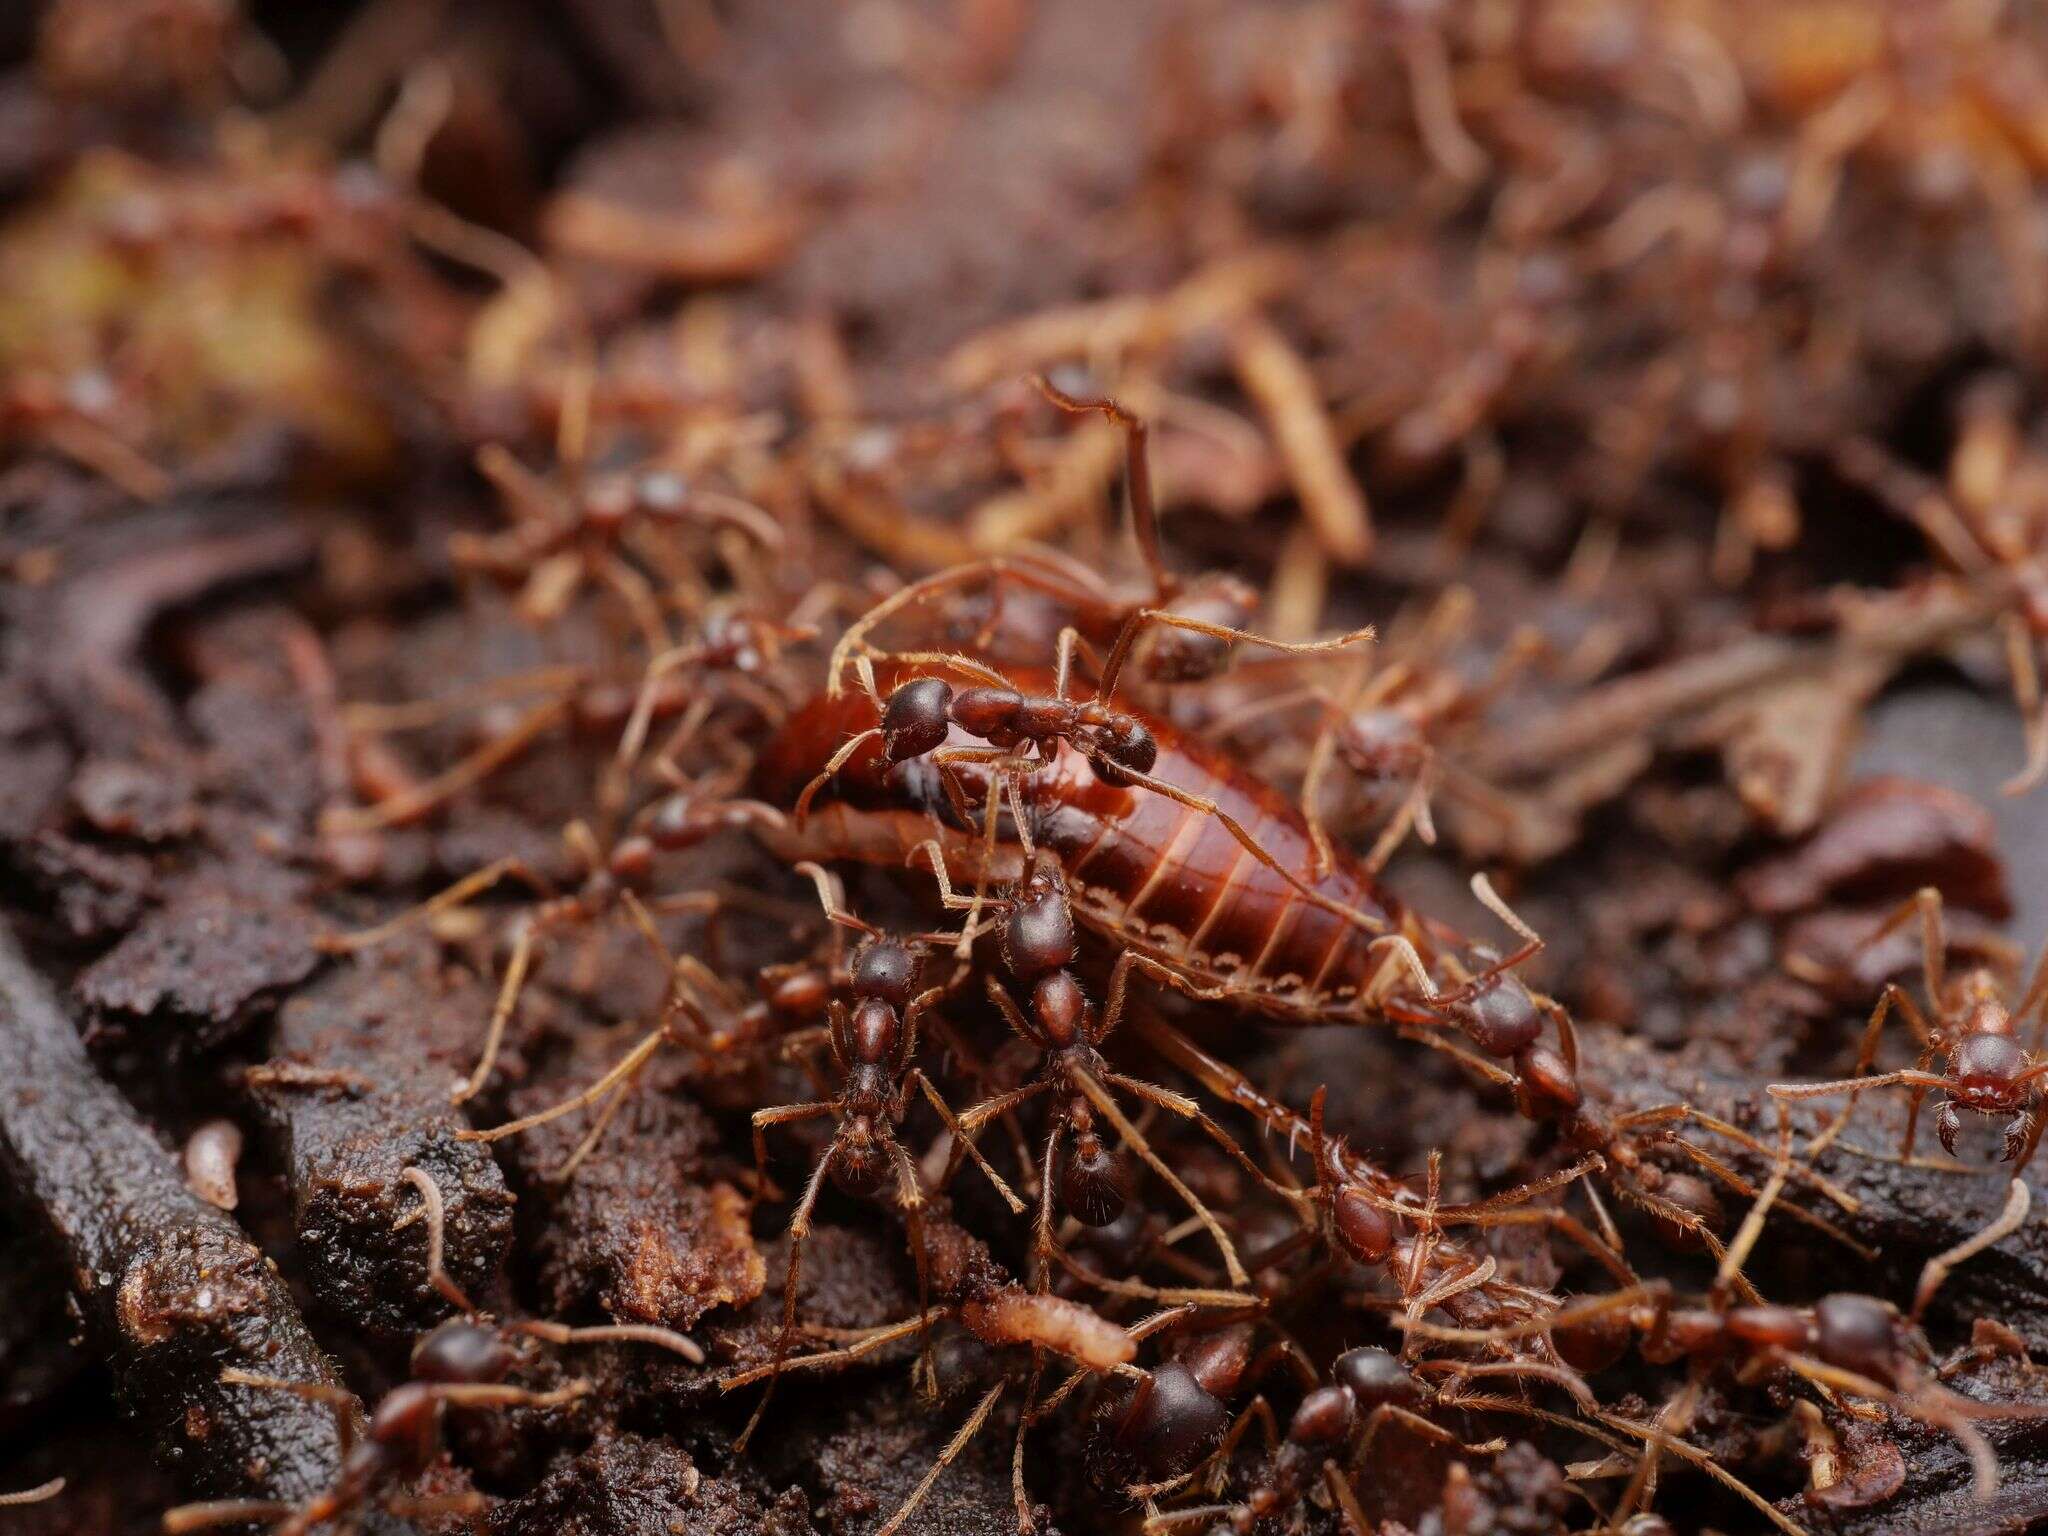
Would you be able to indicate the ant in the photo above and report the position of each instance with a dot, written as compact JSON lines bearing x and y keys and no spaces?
{"x":461,"y":1364}
{"x":563,"y":538}
{"x":1369,"y":1388}
{"x":1077,"y":1169}
{"x":874,"y":1048}
{"x":1988,"y":1071}
{"x":1503,"y":1019}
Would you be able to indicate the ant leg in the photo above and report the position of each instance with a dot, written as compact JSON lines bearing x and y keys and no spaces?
{"x":833,"y":901}
{"x":1937,"y":1269}
{"x":1251,"y":845}
{"x":435,"y":1214}
{"x":1890,"y":998}
{"x":1120,"y":652}
{"x":1138,"y":497}
{"x":462,"y":891}
{"x":947,"y":1457}
{"x":610,"y":1333}
{"x":1043,"y":1247}
{"x":799,"y":1229}
{"x":960,"y":1137}
{"x":838,"y":760}
{"x":1104,"y":1101}
{"x":2026,"y":690}
{"x":204,"y":1516}
{"x":501,"y":1013}
{"x":627,"y":1067}
{"x":2031,"y":1000}
{"x":417,"y":800}
{"x":38,"y":1494}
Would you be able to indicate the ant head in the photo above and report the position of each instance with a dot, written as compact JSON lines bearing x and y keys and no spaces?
{"x":1060,"y":1007}
{"x":462,"y":1352}
{"x":1500,"y":1016}
{"x":1987,"y":1071}
{"x":1121,"y":741}
{"x":1172,"y":1422}
{"x":860,"y":1164}
{"x":1095,"y":1185}
{"x":916,"y":718}
{"x":1857,"y":1333}
{"x":1375,"y":1377}
{"x":885,"y":969}
{"x":1038,"y":933}
{"x":876,"y":1032}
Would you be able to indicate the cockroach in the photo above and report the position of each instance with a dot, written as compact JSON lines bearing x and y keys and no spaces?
{"x":1162,"y":882}
{"x":1159,"y":876}
{"x":1987,"y":1070}
{"x":463,"y":1363}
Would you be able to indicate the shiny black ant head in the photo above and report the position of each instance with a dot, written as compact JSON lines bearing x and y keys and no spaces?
{"x":1172,"y":1423}
{"x":1038,"y":932}
{"x":860,"y":1162}
{"x":915,"y":718}
{"x":1095,"y":1185}
{"x":463,"y":1353}
{"x":885,"y":968}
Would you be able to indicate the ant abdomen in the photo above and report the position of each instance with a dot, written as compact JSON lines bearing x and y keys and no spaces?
{"x":1594,"y":1342}
{"x":1095,"y":1185}
{"x":1376,"y":1378}
{"x":1363,"y":1229}
{"x":1857,"y":1333}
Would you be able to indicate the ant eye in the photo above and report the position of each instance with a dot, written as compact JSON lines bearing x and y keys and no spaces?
{"x":884,"y":969}
{"x":462,"y":1352}
{"x":1374,"y":1377}
{"x":915,"y":719}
